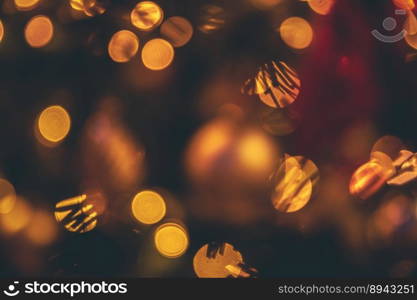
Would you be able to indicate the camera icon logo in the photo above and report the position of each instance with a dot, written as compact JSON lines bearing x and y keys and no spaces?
{"x":12,"y":290}
{"x":390,"y":24}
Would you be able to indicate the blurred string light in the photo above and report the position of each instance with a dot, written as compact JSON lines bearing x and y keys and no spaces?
{"x":171,"y":240}
{"x":276,"y":84}
{"x":26,"y":4}
{"x":220,"y":260}
{"x":212,"y":18}
{"x":294,"y":182}
{"x":53,"y":124}
{"x":177,"y":30}
{"x":146,"y":15}
{"x":157,"y":54}
{"x":321,"y":7}
{"x":148,"y":207}
{"x":76,"y":214}
{"x":17,"y":218}
{"x":39,"y":31}
{"x":296,"y":32}
{"x":7,"y":196}
{"x":123,"y":45}
{"x":1,"y":31}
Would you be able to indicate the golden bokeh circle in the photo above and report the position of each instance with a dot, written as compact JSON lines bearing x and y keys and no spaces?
{"x":7,"y":196}
{"x":146,"y":15}
{"x":296,"y":32}
{"x":177,"y":30}
{"x":39,"y":31}
{"x":157,"y":54}
{"x":148,"y":207}
{"x":295,"y":180}
{"x":123,"y":45}
{"x":171,"y":240}
{"x":54,"y":123}
{"x":213,"y":265}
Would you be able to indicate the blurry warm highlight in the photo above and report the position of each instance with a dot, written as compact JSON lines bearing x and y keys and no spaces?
{"x":42,"y":229}
{"x":157,"y":54}
{"x":296,"y":32}
{"x":1,"y":31}
{"x":76,"y":214}
{"x":276,"y":84}
{"x":123,"y":46}
{"x":146,"y":15}
{"x":321,"y":7}
{"x":216,"y":260}
{"x":26,"y":4}
{"x":294,"y":185}
{"x":171,"y":240}
{"x":39,"y":31}
{"x":16,"y":219}
{"x":54,"y":123}
{"x":148,"y":207}
{"x":177,"y":30}
{"x":7,"y":196}
{"x":404,"y":4}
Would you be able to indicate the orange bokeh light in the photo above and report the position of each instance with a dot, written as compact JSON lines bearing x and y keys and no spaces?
{"x":146,"y":15}
{"x":123,"y":46}
{"x":39,"y":31}
{"x":157,"y":54}
{"x":296,"y":32}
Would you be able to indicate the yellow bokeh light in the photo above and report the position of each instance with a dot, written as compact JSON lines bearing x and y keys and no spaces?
{"x":123,"y":45}
{"x":157,"y":54}
{"x":296,"y":32}
{"x":88,"y":7}
{"x":296,"y":179}
{"x":276,"y":84}
{"x":1,"y":31}
{"x":322,"y":7}
{"x":216,"y":261}
{"x":171,"y":240}
{"x":77,"y":5}
{"x":26,"y":4}
{"x":146,"y":15}
{"x":42,"y":229}
{"x":54,"y":123}
{"x":39,"y":31}
{"x":76,"y":214}
{"x":255,"y":153}
{"x":177,"y":30}
{"x":17,"y":219}
{"x":7,"y":196}
{"x":148,"y":207}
